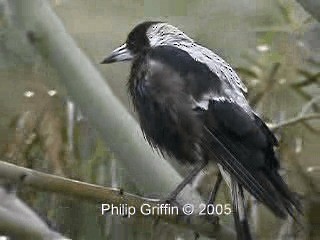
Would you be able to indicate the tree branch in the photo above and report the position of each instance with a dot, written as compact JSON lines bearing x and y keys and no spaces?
{"x":312,"y":7}
{"x":271,"y":80}
{"x":309,"y":105}
{"x":294,"y":120}
{"x":17,"y":220}
{"x":99,"y":195}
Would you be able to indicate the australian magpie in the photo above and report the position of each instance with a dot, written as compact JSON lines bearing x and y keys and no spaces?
{"x":191,"y":106}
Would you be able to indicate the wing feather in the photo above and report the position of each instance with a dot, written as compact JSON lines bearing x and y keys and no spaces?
{"x":243,"y":145}
{"x":251,"y":181}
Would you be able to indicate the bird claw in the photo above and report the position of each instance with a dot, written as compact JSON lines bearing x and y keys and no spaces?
{"x":171,"y":201}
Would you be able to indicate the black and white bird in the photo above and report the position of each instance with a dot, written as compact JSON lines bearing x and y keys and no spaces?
{"x":191,"y":106}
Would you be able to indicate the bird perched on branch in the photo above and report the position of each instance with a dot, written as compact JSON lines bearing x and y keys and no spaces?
{"x":191,"y":106}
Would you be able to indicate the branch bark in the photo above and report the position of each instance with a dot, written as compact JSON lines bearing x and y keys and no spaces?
{"x":271,"y":80}
{"x":98,"y":194}
{"x":312,"y":7}
{"x":294,"y":120}
{"x":17,"y":220}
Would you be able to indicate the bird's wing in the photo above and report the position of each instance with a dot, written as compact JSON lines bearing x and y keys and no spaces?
{"x":231,"y":134}
{"x":231,"y":84}
{"x":244,"y":148}
{"x":237,"y":138}
{"x":220,"y":67}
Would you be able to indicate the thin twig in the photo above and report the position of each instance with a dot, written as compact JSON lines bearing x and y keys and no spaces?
{"x":310,"y":80}
{"x":312,"y":7}
{"x":271,"y":81}
{"x":309,"y":105}
{"x":293,"y":121}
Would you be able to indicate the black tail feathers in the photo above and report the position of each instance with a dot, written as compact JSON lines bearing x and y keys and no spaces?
{"x":290,"y":201}
{"x":239,"y":212}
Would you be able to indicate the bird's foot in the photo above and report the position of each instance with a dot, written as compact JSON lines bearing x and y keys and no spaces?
{"x":172,"y":201}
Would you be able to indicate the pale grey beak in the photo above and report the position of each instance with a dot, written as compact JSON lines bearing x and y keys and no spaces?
{"x":120,"y":54}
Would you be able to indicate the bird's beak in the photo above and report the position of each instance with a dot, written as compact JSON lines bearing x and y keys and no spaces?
{"x":119,"y":54}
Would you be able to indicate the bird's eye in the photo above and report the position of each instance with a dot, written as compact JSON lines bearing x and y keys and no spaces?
{"x":130,"y":42}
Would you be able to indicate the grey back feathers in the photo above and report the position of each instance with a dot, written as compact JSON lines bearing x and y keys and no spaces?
{"x":233,"y":88}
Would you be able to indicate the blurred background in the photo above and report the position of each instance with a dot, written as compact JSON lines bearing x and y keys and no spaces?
{"x":273,"y":44}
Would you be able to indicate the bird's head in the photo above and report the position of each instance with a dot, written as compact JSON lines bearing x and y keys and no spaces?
{"x":144,"y":36}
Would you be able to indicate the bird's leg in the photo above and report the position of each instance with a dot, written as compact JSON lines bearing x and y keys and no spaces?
{"x":213,"y":193}
{"x":172,"y":196}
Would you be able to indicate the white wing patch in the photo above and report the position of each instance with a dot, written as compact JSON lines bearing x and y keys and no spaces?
{"x":206,"y":98}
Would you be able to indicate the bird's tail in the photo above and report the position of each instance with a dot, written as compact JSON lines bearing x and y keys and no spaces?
{"x":265,"y":184}
{"x":289,"y":199}
{"x":238,"y":207}
{"x":239,"y":212}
